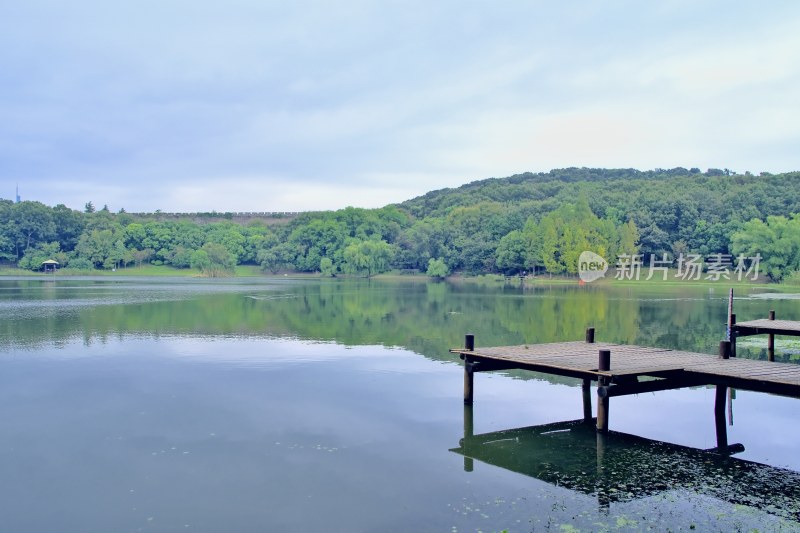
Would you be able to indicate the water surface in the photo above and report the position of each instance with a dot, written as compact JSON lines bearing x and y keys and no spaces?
{"x":256,"y":405}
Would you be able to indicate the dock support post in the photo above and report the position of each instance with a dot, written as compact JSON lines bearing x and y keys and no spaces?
{"x":469,"y":374}
{"x":771,"y":340}
{"x":733,"y":335}
{"x":720,"y":401}
{"x":604,"y":364}
{"x":586,"y":386}
{"x":586,"y":389}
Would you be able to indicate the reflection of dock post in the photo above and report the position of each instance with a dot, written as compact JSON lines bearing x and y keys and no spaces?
{"x":771,"y":340}
{"x":469,"y":375}
{"x":720,"y":402}
{"x":603,"y":499}
{"x":587,"y":384}
{"x":604,"y":364}
{"x":469,"y":432}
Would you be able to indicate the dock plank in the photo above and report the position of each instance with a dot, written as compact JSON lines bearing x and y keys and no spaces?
{"x":765,"y":325}
{"x":580,"y":359}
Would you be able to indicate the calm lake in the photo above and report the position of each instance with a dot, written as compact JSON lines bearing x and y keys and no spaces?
{"x":323,"y":405}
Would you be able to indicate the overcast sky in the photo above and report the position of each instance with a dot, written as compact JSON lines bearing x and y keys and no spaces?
{"x":259,"y":105}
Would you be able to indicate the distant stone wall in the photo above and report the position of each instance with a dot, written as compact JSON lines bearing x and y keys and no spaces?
{"x":270,"y":217}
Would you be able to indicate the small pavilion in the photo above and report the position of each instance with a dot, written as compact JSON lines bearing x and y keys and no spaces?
{"x":50,"y":265}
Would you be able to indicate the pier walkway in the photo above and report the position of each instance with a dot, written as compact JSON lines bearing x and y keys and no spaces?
{"x":621,"y":369}
{"x":763,"y":326}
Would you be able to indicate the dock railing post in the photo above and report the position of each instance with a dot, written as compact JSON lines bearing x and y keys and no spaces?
{"x":469,"y":375}
{"x":725,"y":349}
{"x":771,"y":340}
{"x":604,"y":365}
{"x":586,"y":386}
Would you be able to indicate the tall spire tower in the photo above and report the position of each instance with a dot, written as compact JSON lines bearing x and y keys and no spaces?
{"x":18,"y":199}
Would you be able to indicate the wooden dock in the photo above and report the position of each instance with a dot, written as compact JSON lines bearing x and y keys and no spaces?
{"x":622,"y":369}
{"x":764,"y":326}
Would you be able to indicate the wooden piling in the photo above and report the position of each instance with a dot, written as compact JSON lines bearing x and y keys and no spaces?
{"x":724,"y":349}
{"x":469,"y":374}
{"x":604,"y":364}
{"x":604,"y":360}
{"x":771,"y":340}
{"x":469,"y":342}
{"x":733,"y":334}
{"x":586,"y":388}
{"x":469,"y":381}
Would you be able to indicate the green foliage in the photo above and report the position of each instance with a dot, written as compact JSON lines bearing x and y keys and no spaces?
{"x":792,"y":278}
{"x":437,"y":268}
{"x":80,"y":263}
{"x":213,"y":260}
{"x":36,"y":255}
{"x":326,"y":267}
{"x":276,"y":258}
{"x":777,"y":241}
{"x":69,"y":226}
{"x":512,"y":252}
{"x":528,"y":222}
{"x":367,"y":257}
{"x":321,"y":237}
{"x":31,"y":223}
{"x":557,"y":241}
{"x":702,"y":210}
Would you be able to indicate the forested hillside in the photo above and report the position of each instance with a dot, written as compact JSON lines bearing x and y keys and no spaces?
{"x":528,"y":222}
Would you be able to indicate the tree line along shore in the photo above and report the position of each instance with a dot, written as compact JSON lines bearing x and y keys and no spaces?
{"x":524,"y":224}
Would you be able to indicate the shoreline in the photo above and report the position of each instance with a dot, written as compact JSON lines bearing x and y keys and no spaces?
{"x":249,"y":271}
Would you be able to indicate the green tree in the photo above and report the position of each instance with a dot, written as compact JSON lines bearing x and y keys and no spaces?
{"x":547,"y":235}
{"x":276,"y":258}
{"x":69,"y":225}
{"x":41,"y":252}
{"x":32,"y":223}
{"x":777,"y":242}
{"x":326,"y":267}
{"x":512,"y":252}
{"x":230,"y":236}
{"x":101,"y":248}
{"x":437,"y":268}
{"x":321,"y":238}
{"x":628,"y":239}
{"x":367,"y":257}
{"x":213,"y":260}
